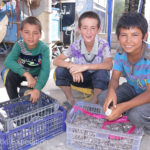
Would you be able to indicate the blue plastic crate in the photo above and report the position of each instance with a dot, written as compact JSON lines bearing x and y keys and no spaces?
{"x":21,"y":111}
{"x":81,"y":136}
{"x":31,"y":134}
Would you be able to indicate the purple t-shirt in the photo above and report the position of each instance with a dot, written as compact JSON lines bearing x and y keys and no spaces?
{"x":80,"y":55}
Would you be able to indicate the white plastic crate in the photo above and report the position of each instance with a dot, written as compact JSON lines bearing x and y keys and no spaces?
{"x":86,"y":133}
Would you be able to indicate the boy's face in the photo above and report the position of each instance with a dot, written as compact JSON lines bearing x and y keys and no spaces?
{"x":89,"y":30}
{"x":131,"y":39}
{"x":31,"y":35}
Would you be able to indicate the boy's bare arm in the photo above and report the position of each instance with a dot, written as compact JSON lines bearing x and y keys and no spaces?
{"x":111,"y":95}
{"x":60,"y":61}
{"x":107,"y":65}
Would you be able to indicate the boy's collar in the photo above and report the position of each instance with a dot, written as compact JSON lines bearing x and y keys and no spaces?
{"x":120,"y":50}
{"x":94,"y":48}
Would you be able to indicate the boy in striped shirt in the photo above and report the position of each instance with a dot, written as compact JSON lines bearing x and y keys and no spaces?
{"x":133,"y":61}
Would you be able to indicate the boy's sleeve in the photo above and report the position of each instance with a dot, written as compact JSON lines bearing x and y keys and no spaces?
{"x":11,"y":61}
{"x":117,"y":63}
{"x":147,"y":71}
{"x":68,"y":52}
{"x":45,"y":69}
{"x":106,"y":51}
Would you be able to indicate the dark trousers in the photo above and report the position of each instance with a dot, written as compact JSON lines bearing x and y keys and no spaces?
{"x":96,"y":79}
{"x":12,"y":82}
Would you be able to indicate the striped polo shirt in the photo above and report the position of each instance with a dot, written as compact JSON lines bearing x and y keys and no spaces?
{"x":138,"y":75}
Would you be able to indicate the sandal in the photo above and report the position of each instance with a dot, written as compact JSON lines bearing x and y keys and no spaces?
{"x":67,"y":106}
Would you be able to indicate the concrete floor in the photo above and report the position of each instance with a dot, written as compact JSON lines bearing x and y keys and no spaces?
{"x":58,"y":142}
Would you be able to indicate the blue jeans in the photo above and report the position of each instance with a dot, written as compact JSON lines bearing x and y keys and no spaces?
{"x":97,"y":79}
{"x":140,"y":115}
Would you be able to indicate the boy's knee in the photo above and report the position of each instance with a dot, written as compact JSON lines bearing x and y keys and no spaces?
{"x":100,"y":79}
{"x":59,"y":71}
{"x":62,"y":76}
{"x":11,"y":76}
{"x":135,"y":117}
{"x":102,"y":75}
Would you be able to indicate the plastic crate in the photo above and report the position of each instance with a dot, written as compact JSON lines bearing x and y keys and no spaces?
{"x":29,"y":135}
{"x":21,"y":111}
{"x":81,"y":136}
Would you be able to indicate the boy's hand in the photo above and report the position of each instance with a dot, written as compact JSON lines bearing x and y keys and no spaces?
{"x":76,"y":68}
{"x":30,"y":79}
{"x":77,"y":77}
{"x":111,"y":97}
{"x":116,"y":112}
{"x":34,"y":95}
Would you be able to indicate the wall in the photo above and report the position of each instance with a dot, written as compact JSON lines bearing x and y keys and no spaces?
{"x":114,"y":40}
{"x":44,"y":17}
{"x":45,"y":21}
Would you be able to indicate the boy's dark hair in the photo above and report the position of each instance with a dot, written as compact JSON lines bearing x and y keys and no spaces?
{"x":128,"y":20}
{"x":89,"y":14}
{"x":31,"y":20}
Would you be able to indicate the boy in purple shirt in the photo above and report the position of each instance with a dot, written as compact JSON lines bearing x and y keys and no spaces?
{"x":92,"y":60}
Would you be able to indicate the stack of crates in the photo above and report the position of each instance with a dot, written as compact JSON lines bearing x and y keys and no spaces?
{"x":86,"y":133}
{"x":28,"y":124}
